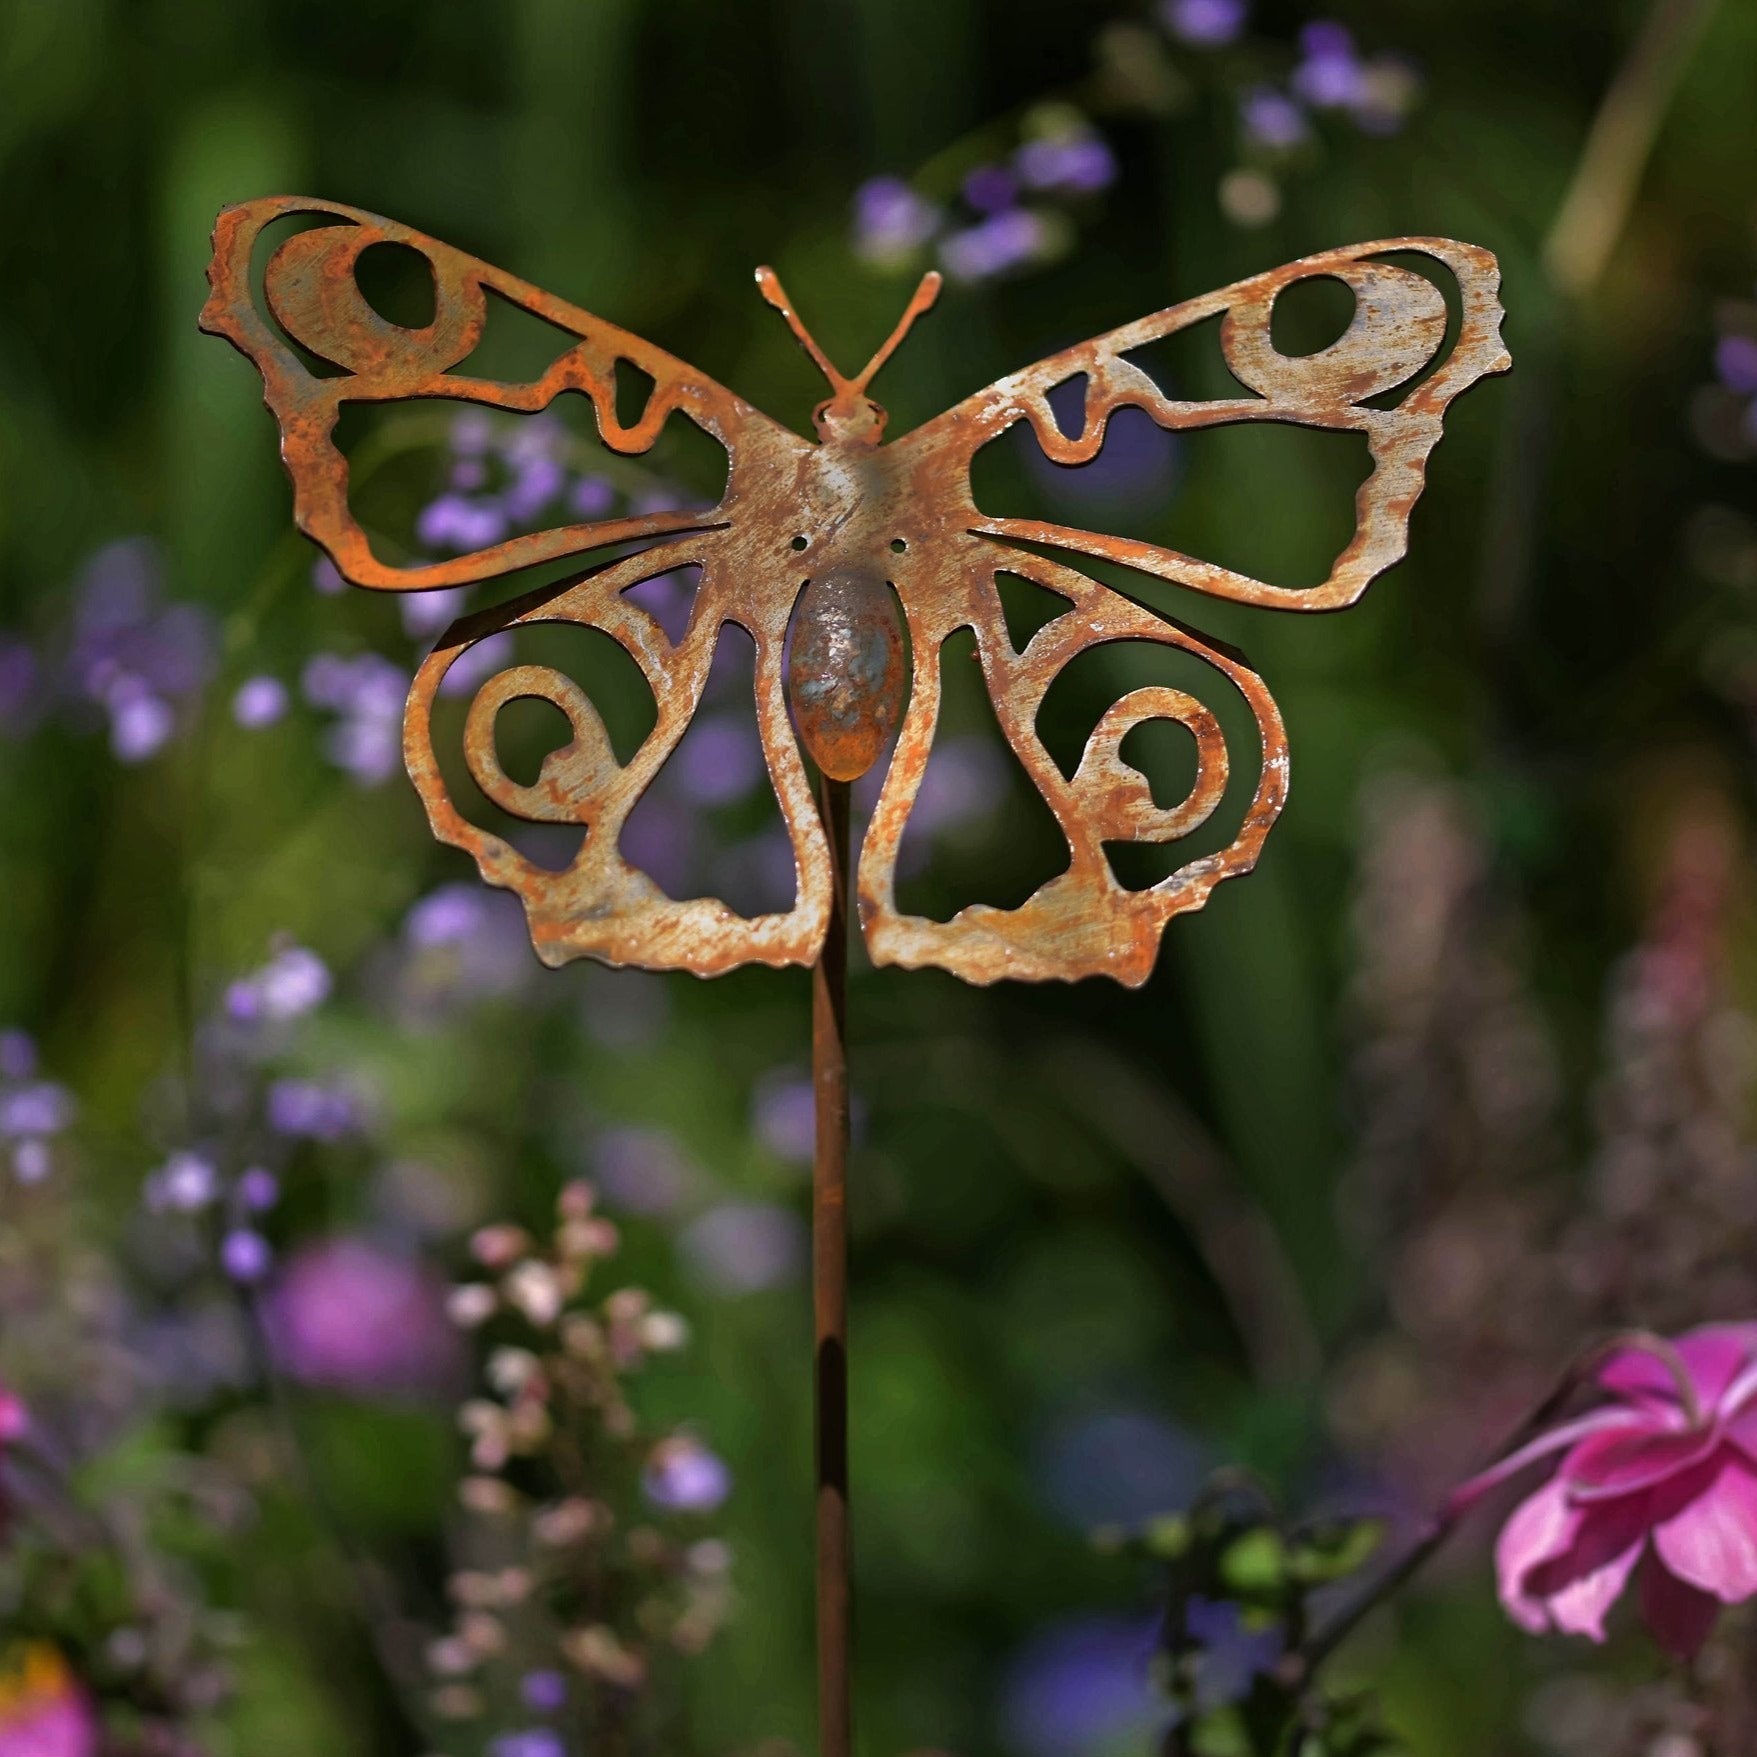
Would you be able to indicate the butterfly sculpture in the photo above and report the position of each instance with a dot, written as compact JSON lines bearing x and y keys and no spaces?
{"x":849,"y":560}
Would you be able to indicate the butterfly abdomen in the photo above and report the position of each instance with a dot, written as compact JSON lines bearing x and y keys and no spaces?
{"x":845,"y":674}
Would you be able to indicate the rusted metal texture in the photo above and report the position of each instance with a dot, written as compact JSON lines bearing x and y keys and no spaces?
{"x":830,"y":553}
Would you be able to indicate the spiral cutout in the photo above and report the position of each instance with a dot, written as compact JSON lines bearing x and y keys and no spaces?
{"x":1115,"y":797}
{"x":574,"y":777}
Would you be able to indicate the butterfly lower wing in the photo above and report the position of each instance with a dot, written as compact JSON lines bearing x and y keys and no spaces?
{"x":1082,"y":922}
{"x":310,"y":304}
{"x":1399,"y":328}
{"x":600,"y":906}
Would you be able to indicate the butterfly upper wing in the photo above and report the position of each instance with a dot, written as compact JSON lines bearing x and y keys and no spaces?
{"x":311,"y":301}
{"x":1400,"y":325}
{"x":598,"y":905}
{"x":1084,"y":921}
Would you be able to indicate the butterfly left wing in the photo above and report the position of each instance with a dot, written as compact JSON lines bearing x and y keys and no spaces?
{"x":1084,"y":922}
{"x":311,"y":309}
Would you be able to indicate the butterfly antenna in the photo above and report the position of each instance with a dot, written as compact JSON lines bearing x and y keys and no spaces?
{"x":925,"y":294}
{"x":770,"y":286}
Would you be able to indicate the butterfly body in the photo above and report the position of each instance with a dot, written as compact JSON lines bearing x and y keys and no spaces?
{"x":850,"y":562}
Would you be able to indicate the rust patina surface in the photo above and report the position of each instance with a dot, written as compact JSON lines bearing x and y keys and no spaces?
{"x":850,"y":560}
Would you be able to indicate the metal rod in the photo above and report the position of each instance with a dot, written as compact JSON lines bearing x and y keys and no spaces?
{"x":829,"y":1280}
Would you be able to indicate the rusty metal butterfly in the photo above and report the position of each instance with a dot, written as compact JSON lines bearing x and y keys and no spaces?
{"x":849,"y":561}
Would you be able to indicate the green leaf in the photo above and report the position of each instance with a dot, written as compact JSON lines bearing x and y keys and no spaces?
{"x":1332,"y":1552}
{"x":1256,"y":1563}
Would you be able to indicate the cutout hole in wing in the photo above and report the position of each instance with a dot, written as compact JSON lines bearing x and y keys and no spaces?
{"x":396,"y":280}
{"x":548,"y":780}
{"x":1134,"y":477}
{"x":604,"y":669}
{"x":526,"y":731}
{"x":634,"y":390}
{"x":437,"y":478}
{"x":1187,"y":363}
{"x":1268,"y":499}
{"x":1310,"y":314}
{"x":1027,"y":607}
{"x":710,"y":823}
{"x":979,"y":831}
{"x":1163,"y":751}
{"x":1067,"y":403}
{"x":669,"y":598}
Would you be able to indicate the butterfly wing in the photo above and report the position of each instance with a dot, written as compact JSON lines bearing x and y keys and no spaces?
{"x":312,"y":307}
{"x":1085,"y":922}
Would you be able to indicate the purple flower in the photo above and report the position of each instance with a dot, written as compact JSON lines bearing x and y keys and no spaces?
{"x":141,"y":723}
{"x":1272,"y":119}
{"x":538,"y":480}
{"x":326,"y":578}
{"x":543,"y":1692}
{"x":258,"y":1190}
{"x":1204,"y":24}
{"x":1081,"y":1686}
{"x":446,"y":917}
{"x":784,"y":1116}
{"x":245,"y":1255}
{"x":43,"y":1108}
{"x":30,"y":1161}
{"x":683,"y":1476}
{"x":259,"y":702}
{"x":745,"y":1247}
{"x":19,"y":674}
{"x":642,"y":1170}
{"x":367,"y":693}
{"x":132,"y":657}
{"x":1001,"y":242}
{"x":990,"y":188}
{"x":18,"y":1054}
{"x":459,"y":525}
{"x":1330,"y":75}
{"x":890,"y":220}
{"x":720,"y":761}
{"x":477,"y":663}
{"x":426,"y":613}
{"x":312,"y":1110}
{"x":591,"y":497}
{"x":185,"y":1184}
{"x":1735,"y":361}
{"x":472,"y":432}
{"x":291,"y":984}
{"x":1077,"y":164}
{"x":466,"y":942}
{"x":531,"y":1742}
{"x":351,"y":1316}
{"x":1233,"y":1654}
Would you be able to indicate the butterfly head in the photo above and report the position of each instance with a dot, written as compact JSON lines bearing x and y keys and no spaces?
{"x":848,"y":416}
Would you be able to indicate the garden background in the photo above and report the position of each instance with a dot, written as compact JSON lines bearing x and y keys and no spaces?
{"x":1457,"y":1080}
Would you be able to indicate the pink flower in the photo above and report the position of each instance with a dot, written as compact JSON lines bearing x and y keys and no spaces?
{"x":1659,"y":1483}
{"x":354,"y":1317}
{"x":43,"y":1710}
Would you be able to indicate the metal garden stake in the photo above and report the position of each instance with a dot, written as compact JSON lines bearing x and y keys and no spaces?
{"x":849,"y":560}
